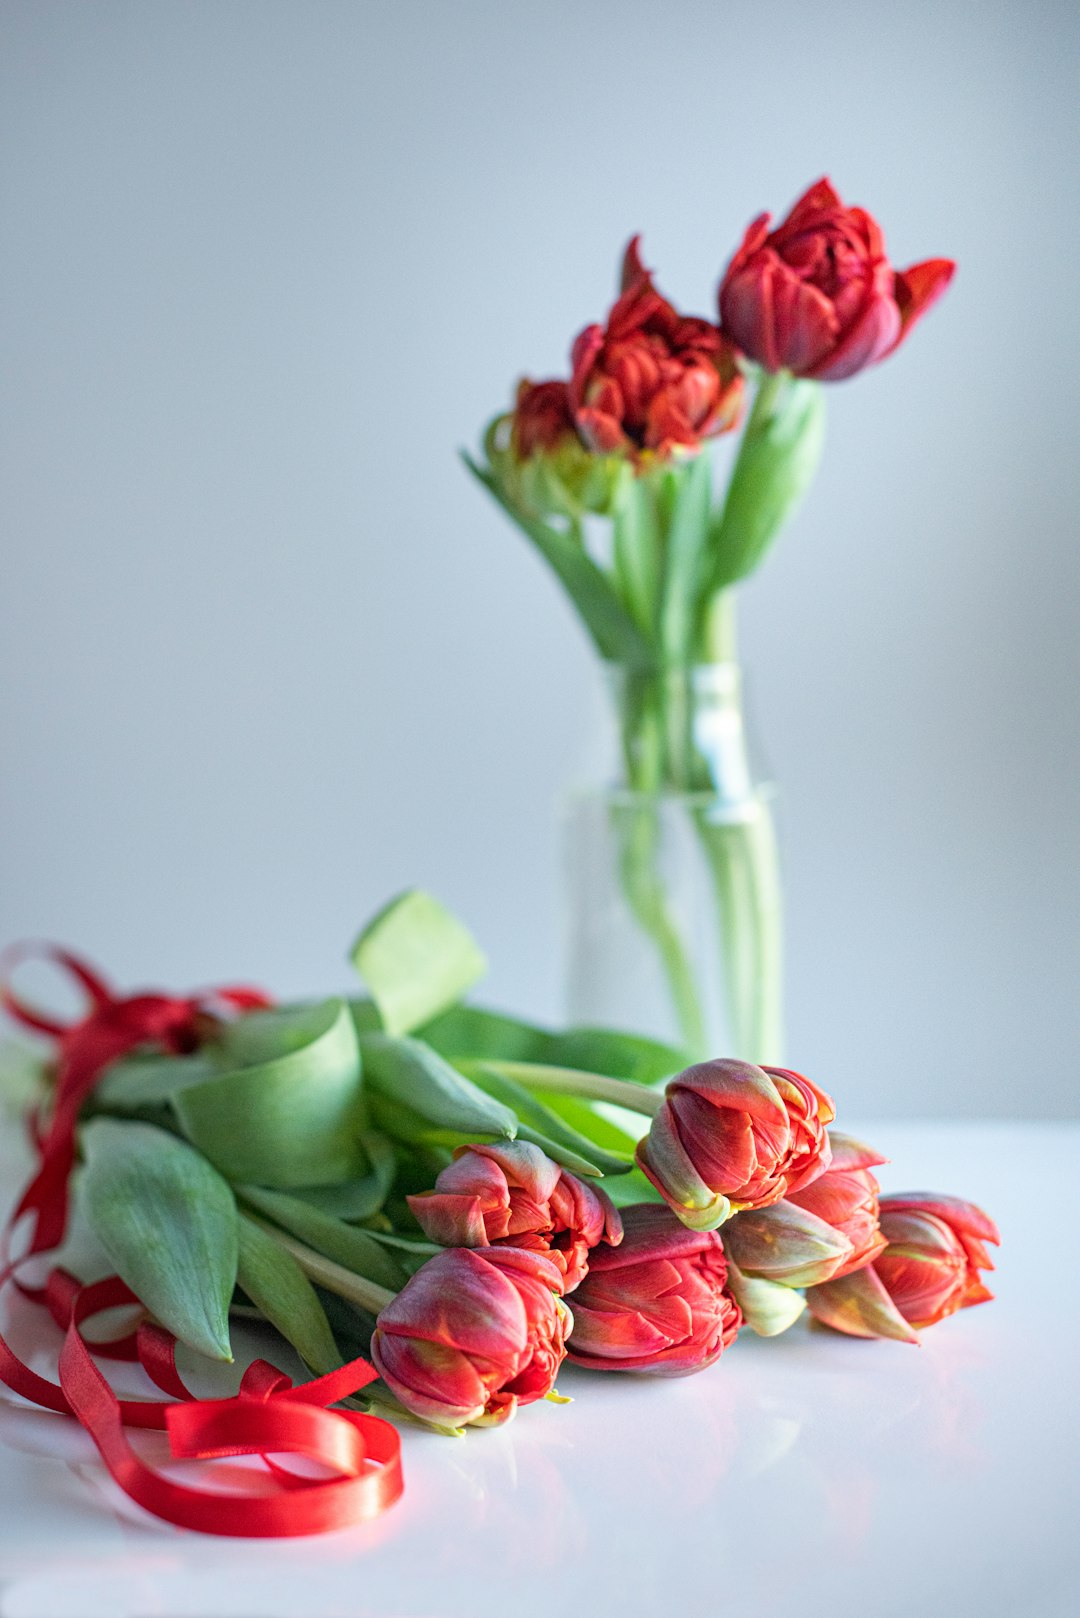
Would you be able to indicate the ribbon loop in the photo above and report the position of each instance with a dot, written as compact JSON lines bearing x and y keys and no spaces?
{"x":269,"y":1415}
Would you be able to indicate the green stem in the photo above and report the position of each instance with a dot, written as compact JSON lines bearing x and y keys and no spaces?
{"x":719,"y":642}
{"x":746,"y":883}
{"x":334,"y":1277}
{"x":589,"y":1086}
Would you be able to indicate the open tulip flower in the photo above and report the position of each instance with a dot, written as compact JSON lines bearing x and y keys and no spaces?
{"x":731,"y":1135}
{"x":472,"y":1335}
{"x":929,"y":1268}
{"x":513,"y":1193}
{"x":817,"y":296}
{"x":658,"y":1302}
{"x":651,"y":379}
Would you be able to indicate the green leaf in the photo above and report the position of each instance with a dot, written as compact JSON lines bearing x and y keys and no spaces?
{"x":618,"y":1056}
{"x":417,"y":1096}
{"x":618,"y":638}
{"x":285,"y":1113}
{"x":687,"y":560}
{"x":631,"y":1188}
{"x":596,"y":1127}
{"x":168,"y":1222}
{"x":545,"y":1128}
{"x":416,"y":959}
{"x":776,"y":463}
{"x":358,"y":1199}
{"x":471,"y":1031}
{"x":139,"y":1082}
{"x":278,"y":1287}
{"x":331,"y":1237}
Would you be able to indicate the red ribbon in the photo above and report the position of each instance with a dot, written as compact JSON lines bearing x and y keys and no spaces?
{"x":270,"y":1415}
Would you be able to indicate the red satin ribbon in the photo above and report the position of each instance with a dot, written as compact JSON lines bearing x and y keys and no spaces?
{"x":269,"y":1416}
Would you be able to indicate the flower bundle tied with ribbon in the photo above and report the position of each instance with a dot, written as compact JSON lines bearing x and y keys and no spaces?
{"x":436,"y":1206}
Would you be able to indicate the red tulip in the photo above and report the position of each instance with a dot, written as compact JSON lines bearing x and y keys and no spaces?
{"x":846,"y":1197}
{"x":472,"y":1335}
{"x":731,"y":1135}
{"x":656,"y":1303}
{"x":817,"y":295}
{"x":513,"y":1193}
{"x":652,"y":379}
{"x":542,"y":418}
{"x":929,"y":1268}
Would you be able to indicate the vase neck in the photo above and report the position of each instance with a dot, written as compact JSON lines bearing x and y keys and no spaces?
{"x":681,"y":729}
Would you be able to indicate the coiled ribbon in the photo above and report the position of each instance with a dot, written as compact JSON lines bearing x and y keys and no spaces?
{"x":269,"y":1416}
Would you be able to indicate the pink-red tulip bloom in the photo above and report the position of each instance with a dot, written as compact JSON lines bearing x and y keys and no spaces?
{"x":473,"y":1334}
{"x":513,"y":1193}
{"x":731,"y":1136}
{"x":652,"y":380}
{"x":656,"y":1303}
{"x":846,"y":1197}
{"x":818,"y":296}
{"x":929,"y":1268}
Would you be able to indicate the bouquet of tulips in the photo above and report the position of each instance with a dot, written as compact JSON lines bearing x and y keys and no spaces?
{"x":608,"y":472}
{"x":465,"y":1198}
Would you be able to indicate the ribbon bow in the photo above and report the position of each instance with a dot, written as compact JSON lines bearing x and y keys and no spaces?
{"x":269,"y":1415}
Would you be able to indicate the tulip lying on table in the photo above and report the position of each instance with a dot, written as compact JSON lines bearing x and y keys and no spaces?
{"x":459,"y":1179}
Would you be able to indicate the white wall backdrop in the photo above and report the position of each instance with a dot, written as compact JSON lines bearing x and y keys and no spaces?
{"x":268,"y":655}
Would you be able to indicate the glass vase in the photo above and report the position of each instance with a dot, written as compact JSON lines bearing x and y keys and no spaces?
{"x":674,"y":908}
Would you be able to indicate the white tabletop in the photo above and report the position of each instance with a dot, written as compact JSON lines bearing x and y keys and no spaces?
{"x":811,"y":1475}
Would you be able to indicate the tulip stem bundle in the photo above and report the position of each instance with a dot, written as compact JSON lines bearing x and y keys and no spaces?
{"x":622,"y":445}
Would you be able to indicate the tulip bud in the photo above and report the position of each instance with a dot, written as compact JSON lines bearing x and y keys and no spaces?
{"x":846,"y":1197}
{"x":786,"y":1244}
{"x":513,"y":1193}
{"x":473,"y":1334}
{"x":731,"y":1136}
{"x":656,"y":1303}
{"x":928,"y":1269}
{"x":817,"y":296}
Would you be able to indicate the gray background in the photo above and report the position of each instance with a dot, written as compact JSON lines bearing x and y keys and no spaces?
{"x":267,"y":655}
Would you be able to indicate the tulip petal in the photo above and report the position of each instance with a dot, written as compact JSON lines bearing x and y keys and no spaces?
{"x":849,"y":1153}
{"x":456,"y":1300}
{"x":662,"y":1156}
{"x":918,"y":288}
{"x":747,"y":308}
{"x":720,"y":1140}
{"x":452,"y":1221}
{"x":521,"y":1163}
{"x":804,"y":320}
{"x":651,"y":1232}
{"x":859,"y":1305}
{"x":768,"y":1308}
{"x":787,"y":1244}
{"x":615,"y":1334}
{"x":432,"y":1381}
{"x":821,"y":197}
{"x":633,"y":270}
{"x":872,"y":335}
{"x":731,"y":1083}
{"x":954,"y":1211}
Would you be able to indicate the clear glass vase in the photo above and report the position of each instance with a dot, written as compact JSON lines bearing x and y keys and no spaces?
{"x":673,"y":891}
